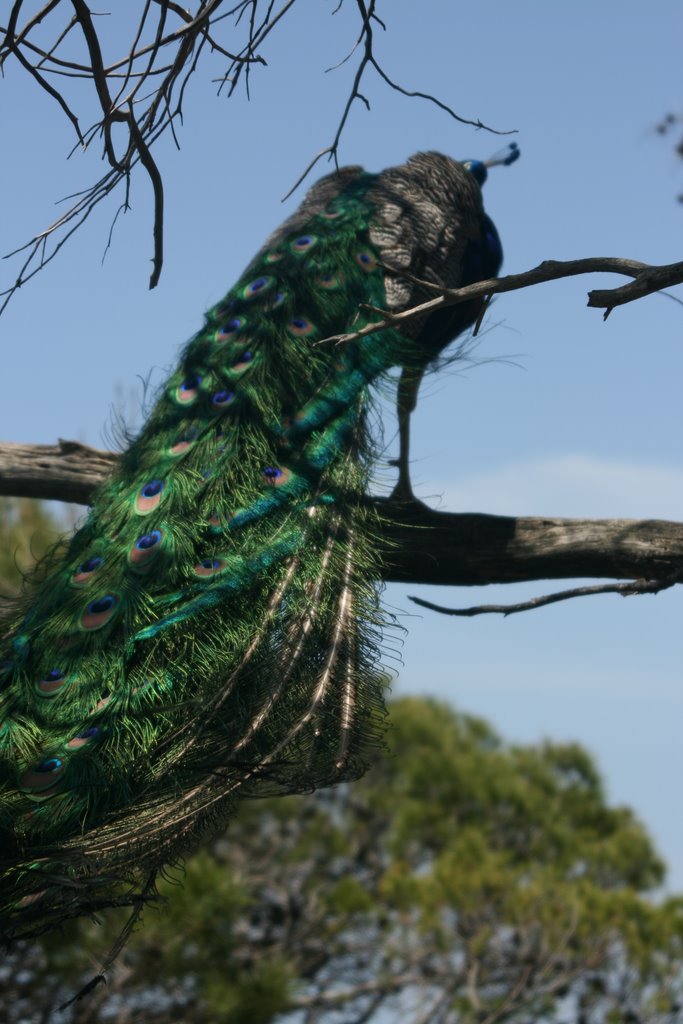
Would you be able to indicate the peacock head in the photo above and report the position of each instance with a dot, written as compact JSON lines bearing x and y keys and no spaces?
{"x":504,"y":157}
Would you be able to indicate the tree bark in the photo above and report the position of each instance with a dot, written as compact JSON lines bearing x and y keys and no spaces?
{"x":422,"y":545}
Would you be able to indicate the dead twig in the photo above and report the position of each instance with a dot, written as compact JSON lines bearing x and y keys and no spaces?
{"x":625,"y":589}
{"x":648,"y":280}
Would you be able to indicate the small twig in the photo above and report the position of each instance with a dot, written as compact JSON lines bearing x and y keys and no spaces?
{"x":432,"y":99}
{"x":50,"y":90}
{"x":47,"y":55}
{"x":332,"y":150}
{"x":368,"y":15}
{"x":625,"y":589}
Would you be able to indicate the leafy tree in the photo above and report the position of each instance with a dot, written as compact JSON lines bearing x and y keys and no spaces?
{"x":463,"y":880}
{"x":27,"y":531}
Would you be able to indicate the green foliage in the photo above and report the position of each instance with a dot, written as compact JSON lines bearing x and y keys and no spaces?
{"x":462,"y":880}
{"x":491,"y":881}
{"x":28,"y":531}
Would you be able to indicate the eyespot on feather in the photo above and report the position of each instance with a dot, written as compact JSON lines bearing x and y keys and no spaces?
{"x":210,"y":567}
{"x":43,"y":776}
{"x":148,"y":497}
{"x":103,"y":701}
{"x":86,"y":571}
{"x":145,"y":550}
{"x":273,"y":256}
{"x":244,"y":360}
{"x":304,"y":243}
{"x":52,"y":683}
{"x":186,"y":393}
{"x":231,"y":328}
{"x":330,"y":282}
{"x":277,"y":300}
{"x":184,"y":442}
{"x":220,"y":400}
{"x":300,"y":327}
{"x":99,"y":612}
{"x":258,"y":287}
{"x":33,"y":897}
{"x":275,"y":476}
{"x":366,"y":261}
{"x":84,"y":738}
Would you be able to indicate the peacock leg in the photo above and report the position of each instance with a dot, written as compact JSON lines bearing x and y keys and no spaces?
{"x":408,"y":387}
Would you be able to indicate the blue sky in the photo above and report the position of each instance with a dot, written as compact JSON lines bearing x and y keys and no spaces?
{"x":564,"y":415}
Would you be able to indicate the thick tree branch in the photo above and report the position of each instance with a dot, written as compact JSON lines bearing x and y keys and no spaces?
{"x":66,"y":471}
{"x":422,"y":545}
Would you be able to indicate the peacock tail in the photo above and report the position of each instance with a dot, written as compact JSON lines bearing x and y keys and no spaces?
{"x":213,"y":630}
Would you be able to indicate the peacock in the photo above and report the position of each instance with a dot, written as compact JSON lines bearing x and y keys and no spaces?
{"x":213,"y":630}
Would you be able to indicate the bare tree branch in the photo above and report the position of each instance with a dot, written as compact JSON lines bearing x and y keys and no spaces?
{"x":647,"y":281}
{"x":368,"y":15}
{"x":422,"y":545}
{"x":625,"y":589}
{"x":147,"y":117}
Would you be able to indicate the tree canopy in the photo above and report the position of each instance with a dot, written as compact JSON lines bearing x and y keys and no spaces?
{"x":463,"y":880}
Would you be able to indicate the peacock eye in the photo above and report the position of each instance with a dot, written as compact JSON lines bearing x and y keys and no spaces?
{"x":331,"y":281}
{"x":145,"y":550}
{"x":300,"y":327}
{"x":257,"y":287}
{"x":230,"y":328}
{"x":221,"y":399}
{"x":303,"y":243}
{"x":99,"y":612}
{"x":42,"y":776}
{"x":366,"y":261}
{"x":91,"y":564}
{"x":105,"y":697}
{"x":148,"y":540}
{"x":184,"y":442}
{"x":84,"y":737}
{"x":210,"y":567}
{"x":51,"y":683}
{"x":149,"y":496}
{"x":275,"y":476}
{"x":242,"y":361}
{"x":187,"y":391}
{"x":86,"y":570}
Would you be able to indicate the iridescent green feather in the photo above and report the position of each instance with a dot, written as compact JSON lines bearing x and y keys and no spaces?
{"x":214,"y":629}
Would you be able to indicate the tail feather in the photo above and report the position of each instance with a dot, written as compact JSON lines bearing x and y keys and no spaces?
{"x":213,"y":630}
